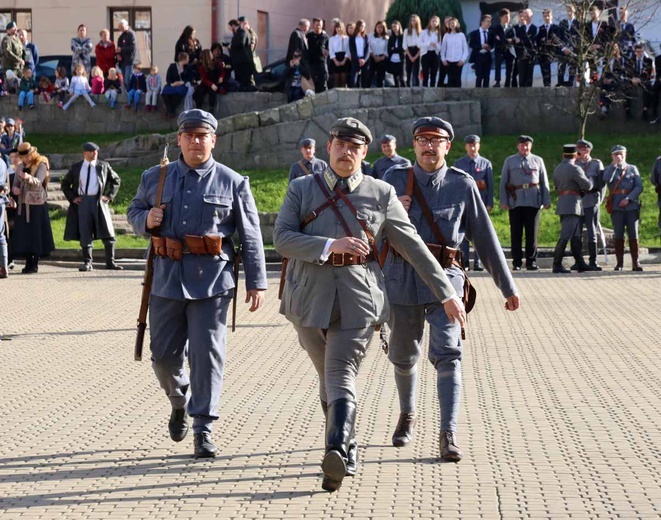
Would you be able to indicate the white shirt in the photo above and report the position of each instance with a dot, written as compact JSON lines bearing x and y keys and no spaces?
{"x":454,"y":48}
{"x":338,"y":43}
{"x":378,"y":46}
{"x":412,"y":40}
{"x":429,"y":41}
{"x":360,"y":46}
{"x":93,"y":188}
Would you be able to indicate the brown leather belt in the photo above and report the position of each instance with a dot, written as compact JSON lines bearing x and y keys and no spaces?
{"x":524,"y":186}
{"x":174,"y":248}
{"x":620,"y":192}
{"x":569,"y":192}
{"x":342,"y":259}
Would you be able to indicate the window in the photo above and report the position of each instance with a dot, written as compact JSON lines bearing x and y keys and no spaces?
{"x":22,"y":17}
{"x":139,"y":19}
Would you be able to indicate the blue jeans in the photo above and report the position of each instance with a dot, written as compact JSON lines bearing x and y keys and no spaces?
{"x":127,"y":70}
{"x":22,"y":97}
{"x":134,"y":97}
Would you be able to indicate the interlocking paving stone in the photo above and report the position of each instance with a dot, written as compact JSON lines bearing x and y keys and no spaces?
{"x":560,"y":413}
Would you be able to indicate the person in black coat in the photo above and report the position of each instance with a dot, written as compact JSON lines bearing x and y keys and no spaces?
{"x":90,"y":186}
{"x":548,"y":41}
{"x":503,"y":36}
{"x":241,"y":56}
{"x":396,"y":53}
{"x":360,"y":53}
{"x":481,"y":42}
{"x":298,"y":41}
{"x":641,"y":71}
{"x":524,"y":40}
{"x":318,"y":54}
{"x":655,"y":93}
{"x":570,"y":32}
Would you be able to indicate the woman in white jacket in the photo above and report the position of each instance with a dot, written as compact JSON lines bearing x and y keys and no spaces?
{"x":430,"y":46}
{"x":412,"y":51}
{"x":338,"y":52}
{"x":454,"y":53}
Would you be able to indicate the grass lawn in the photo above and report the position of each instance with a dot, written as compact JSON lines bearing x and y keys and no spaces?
{"x":270,"y":186}
{"x":71,"y":143}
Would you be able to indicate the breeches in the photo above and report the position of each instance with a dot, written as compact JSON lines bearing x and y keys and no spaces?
{"x":625,"y":220}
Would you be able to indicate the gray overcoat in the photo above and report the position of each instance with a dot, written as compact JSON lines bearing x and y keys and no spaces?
{"x":569,"y":177}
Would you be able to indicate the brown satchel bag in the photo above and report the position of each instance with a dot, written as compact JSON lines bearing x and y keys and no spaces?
{"x":609,"y":199}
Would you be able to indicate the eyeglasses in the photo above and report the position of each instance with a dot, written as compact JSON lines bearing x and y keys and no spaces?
{"x":435,"y":141}
{"x":201,"y":136}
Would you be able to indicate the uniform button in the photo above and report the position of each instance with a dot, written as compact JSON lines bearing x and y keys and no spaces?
{"x":184,"y":222}
{"x":185,"y":207}
{"x":188,"y":191}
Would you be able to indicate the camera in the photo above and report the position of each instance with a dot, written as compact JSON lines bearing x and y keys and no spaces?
{"x":26,"y":169}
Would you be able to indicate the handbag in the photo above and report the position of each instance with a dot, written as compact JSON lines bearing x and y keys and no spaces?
{"x":35,"y":197}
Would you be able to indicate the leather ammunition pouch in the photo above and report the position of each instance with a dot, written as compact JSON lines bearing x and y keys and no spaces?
{"x":174,"y":249}
{"x":445,"y":255}
{"x":481,"y":185}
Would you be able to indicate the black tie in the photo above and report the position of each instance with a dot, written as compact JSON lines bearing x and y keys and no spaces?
{"x":89,"y":174}
{"x":471,"y":167}
{"x":640,"y":66}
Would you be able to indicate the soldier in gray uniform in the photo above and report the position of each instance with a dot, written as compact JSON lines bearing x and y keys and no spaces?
{"x":203,"y":204}
{"x":524,"y":189}
{"x":90,"y":186}
{"x":656,"y":182}
{"x":624,"y":187}
{"x":570,"y":182}
{"x":454,"y":201}
{"x":334,"y":291}
{"x":390,"y":157}
{"x":592,"y":198}
{"x":481,"y":170}
{"x":309,"y":163}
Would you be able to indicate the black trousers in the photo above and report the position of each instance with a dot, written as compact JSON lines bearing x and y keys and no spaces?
{"x":200,"y":92}
{"x":442,"y":74}
{"x":655,"y":94}
{"x":454,"y":74}
{"x":482,"y":70}
{"x":378,"y":71}
{"x":429,"y":69}
{"x":524,"y":218}
{"x":243,"y":72}
{"x":525,"y":69}
{"x":567,"y":63}
{"x":504,"y":56}
{"x":320,"y":76}
{"x":545,"y":66}
{"x":413,"y":69}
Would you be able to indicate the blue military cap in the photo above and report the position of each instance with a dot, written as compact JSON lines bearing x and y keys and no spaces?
{"x":584,"y":143}
{"x":618,"y":148}
{"x":352,"y":130}
{"x":307,"y":141}
{"x":432,"y":125}
{"x":524,"y":139}
{"x":90,"y":147}
{"x":472,"y":139}
{"x":196,"y":118}
{"x":387,"y":138}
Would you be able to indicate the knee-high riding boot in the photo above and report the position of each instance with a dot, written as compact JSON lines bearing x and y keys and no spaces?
{"x":619,"y":253}
{"x":634,"y":250}
{"x":340,"y":423}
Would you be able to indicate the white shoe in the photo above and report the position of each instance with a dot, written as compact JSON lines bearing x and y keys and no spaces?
{"x":310,"y":93}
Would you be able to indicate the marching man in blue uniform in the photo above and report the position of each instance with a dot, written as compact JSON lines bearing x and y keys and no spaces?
{"x":203,"y":204}
{"x":444,"y":204}
{"x":481,"y":170}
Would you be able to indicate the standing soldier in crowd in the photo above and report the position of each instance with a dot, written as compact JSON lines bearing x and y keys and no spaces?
{"x":390,"y":157}
{"x":334,"y":291}
{"x":570,"y":182}
{"x":592,"y":198}
{"x":524,"y":189}
{"x":309,"y":164}
{"x":203,"y":204}
{"x":318,"y":55}
{"x":482,"y":172}
{"x":445,"y":206}
{"x":90,"y":186}
{"x":624,"y":189}
{"x":656,"y":182}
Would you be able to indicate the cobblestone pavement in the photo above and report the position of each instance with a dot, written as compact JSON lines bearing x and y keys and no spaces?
{"x":561,"y":412}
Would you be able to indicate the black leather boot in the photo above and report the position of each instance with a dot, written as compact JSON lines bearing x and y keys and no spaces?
{"x":577,"y":253}
{"x":558,"y":253}
{"x":110,"y":258}
{"x":339,"y":433}
{"x":352,"y":454}
{"x":592,"y":249}
{"x":87,"y":260}
{"x":29,"y":262}
{"x":619,"y":253}
{"x":634,"y":250}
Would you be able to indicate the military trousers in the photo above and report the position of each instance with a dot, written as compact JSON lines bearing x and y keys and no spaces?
{"x":524,"y":218}
{"x":407,"y":324}
{"x":195,"y":330}
{"x":625,"y":220}
{"x":591,"y":220}
{"x":570,"y":227}
{"x":336,"y":354}
{"x":88,"y":226}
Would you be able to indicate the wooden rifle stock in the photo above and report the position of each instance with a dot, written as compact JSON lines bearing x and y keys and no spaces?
{"x":149,"y":268}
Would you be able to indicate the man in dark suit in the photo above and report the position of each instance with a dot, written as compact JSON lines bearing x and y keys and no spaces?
{"x":548,"y":41}
{"x":597,"y":34}
{"x":641,"y":72}
{"x":570,"y":30}
{"x":481,"y":43}
{"x":90,"y":186}
{"x":625,"y":32}
{"x":525,"y":34}
{"x":241,"y":56}
{"x":503,"y":36}
{"x":656,"y":91}
{"x":298,"y":41}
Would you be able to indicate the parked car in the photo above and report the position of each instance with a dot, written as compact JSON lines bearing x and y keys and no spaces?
{"x":48,"y":64}
{"x":273,"y":77}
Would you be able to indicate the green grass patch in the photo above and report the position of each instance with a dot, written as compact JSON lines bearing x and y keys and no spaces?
{"x":71,"y":143}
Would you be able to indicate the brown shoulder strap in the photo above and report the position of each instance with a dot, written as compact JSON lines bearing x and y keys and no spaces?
{"x":624,"y":171}
{"x":412,"y":189}
{"x":352,"y":208}
{"x":332,"y":203}
{"x":304,"y":168}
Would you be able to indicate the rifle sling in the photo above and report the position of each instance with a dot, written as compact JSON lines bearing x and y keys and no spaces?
{"x":304,"y":168}
{"x":333,"y":204}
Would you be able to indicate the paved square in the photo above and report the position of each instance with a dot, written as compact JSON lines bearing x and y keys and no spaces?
{"x":561,"y":413}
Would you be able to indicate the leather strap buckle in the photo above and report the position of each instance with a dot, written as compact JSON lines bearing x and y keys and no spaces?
{"x":338,"y":264}
{"x":525,"y":186}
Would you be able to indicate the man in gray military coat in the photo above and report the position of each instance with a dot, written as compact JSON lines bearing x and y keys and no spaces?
{"x":570,"y":182}
{"x":308,"y":164}
{"x":390,"y":157}
{"x":592,"y":198}
{"x":455,"y":204}
{"x":204,"y":203}
{"x":334,"y":292}
{"x":524,"y":189}
{"x":90,"y":186}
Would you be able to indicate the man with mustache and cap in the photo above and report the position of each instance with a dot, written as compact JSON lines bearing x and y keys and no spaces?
{"x":624,"y":189}
{"x":445,"y":205}
{"x":203,"y":204}
{"x":570,"y":182}
{"x":524,"y":189}
{"x":592,"y":199}
{"x":308,"y":164}
{"x":334,"y":291}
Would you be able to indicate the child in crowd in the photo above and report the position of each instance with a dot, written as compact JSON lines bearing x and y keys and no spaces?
{"x":113,"y":86}
{"x":26,"y":89}
{"x":46,"y":89}
{"x":79,"y":86}
{"x":61,"y":85}
{"x":11,"y":82}
{"x":96,"y":82}
{"x":137,"y":86}
{"x":154,"y":85}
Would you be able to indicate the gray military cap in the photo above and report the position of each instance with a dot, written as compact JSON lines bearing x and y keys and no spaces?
{"x":387,"y":138}
{"x":307,"y":141}
{"x":524,"y":139}
{"x":352,"y":130}
{"x":196,"y":118}
{"x":434,"y":126}
{"x":584,"y":143}
{"x":472,"y":139}
{"x":618,"y":148}
{"x":90,"y":147}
